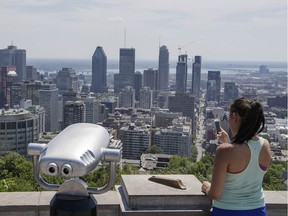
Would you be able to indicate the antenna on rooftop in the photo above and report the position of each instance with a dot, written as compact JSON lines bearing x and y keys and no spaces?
{"x":159,"y":41}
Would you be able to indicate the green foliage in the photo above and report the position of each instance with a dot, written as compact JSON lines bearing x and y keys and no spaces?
{"x":153,"y":149}
{"x":194,"y":153}
{"x":16,"y":173}
{"x":272,"y":180}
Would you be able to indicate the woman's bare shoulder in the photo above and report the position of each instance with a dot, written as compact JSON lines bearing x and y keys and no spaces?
{"x":266,"y":146}
{"x":224,"y":148}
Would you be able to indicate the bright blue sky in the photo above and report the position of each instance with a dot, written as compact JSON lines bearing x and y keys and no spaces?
{"x":242,"y":30}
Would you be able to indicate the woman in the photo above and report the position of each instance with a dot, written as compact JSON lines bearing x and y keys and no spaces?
{"x":240,"y":164}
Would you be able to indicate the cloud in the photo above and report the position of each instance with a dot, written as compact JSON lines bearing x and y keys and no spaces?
{"x":74,"y":25}
{"x":117,"y":19}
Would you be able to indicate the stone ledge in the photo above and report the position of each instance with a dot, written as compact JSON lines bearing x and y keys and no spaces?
{"x":148,"y":195}
{"x":110,"y":204}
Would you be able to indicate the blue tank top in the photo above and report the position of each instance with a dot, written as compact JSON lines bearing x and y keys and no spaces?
{"x":243,"y":191}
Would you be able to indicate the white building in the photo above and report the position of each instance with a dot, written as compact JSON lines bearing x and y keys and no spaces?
{"x":48,"y":99}
{"x":127,"y":97}
{"x":146,"y":98}
{"x":92,"y":110}
{"x":18,"y":128}
{"x":175,"y":140}
{"x":135,"y":140}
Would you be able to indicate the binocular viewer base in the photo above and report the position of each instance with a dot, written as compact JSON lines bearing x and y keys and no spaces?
{"x":71,"y":205}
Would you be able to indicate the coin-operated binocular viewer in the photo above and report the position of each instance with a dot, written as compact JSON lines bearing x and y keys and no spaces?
{"x":74,"y":152}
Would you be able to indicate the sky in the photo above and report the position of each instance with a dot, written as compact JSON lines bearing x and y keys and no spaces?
{"x":232,"y":30}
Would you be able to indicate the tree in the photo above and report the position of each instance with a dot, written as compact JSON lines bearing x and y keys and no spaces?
{"x":272,"y":180}
{"x":153,"y":149}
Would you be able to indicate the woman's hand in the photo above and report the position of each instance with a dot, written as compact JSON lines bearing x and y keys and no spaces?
{"x":223,"y":137}
{"x":205,"y":187}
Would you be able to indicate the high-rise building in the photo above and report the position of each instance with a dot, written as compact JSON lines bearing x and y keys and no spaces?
{"x":18,"y":128}
{"x":163,"y":68}
{"x":74,"y":112}
{"x":127,"y":97}
{"x":99,"y":71}
{"x":66,"y":80}
{"x":150,"y":77}
{"x":263,"y":69}
{"x":183,"y":103}
{"x":91,"y":109}
{"x":230,"y":91}
{"x":196,"y":76}
{"x":32,"y":91}
{"x":146,"y":98}
{"x":48,"y":99}
{"x":137,"y":84}
{"x":110,"y":103}
{"x":126,"y":69}
{"x":213,"y":86}
{"x":162,"y":100}
{"x":31,"y":73}
{"x":277,"y":101}
{"x":14,"y":57}
{"x":17,"y":94}
{"x":181,"y":74}
{"x":5,"y":90}
{"x":38,"y":110}
{"x":174,"y":141}
{"x":135,"y":140}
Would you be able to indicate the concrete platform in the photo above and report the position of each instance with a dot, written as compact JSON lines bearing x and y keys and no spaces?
{"x":138,"y":193}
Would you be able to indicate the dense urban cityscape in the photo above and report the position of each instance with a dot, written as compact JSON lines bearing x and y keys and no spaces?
{"x":157,"y":112}
{"x":121,"y":108}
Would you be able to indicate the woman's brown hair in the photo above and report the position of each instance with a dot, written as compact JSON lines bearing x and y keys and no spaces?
{"x":252,"y":119}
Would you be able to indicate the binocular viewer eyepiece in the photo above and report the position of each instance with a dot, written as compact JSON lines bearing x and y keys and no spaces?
{"x":74,"y":152}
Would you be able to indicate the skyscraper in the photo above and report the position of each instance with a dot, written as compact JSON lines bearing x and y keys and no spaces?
{"x":213,"y":86}
{"x":230,"y":91}
{"x":31,"y":73}
{"x":181,"y":74}
{"x":91,"y":109}
{"x":17,"y":93}
{"x":67,"y":80}
{"x":32,"y":91}
{"x":48,"y":98}
{"x":150,"y":78}
{"x":137,"y":84}
{"x":127,"y":97}
{"x":146,"y":96}
{"x":14,"y":57}
{"x":74,"y":112}
{"x":126,"y":69}
{"x":196,"y":76}
{"x":183,"y":103}
{"x":163,"y":69}
{"x":99,"y":71}
{"x":5,"y":90}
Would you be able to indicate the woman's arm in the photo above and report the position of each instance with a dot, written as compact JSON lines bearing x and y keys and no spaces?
{"x":214,"y":190}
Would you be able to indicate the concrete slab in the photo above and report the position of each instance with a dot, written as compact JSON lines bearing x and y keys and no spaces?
{"x":141,"y":194}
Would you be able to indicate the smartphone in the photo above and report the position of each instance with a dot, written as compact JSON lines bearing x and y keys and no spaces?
{"x":217,"y":125}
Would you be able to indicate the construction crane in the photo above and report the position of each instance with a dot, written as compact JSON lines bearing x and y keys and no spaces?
{"x":180,"y":47}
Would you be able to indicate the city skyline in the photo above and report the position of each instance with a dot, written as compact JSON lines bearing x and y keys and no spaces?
{"x":219,"y":30}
